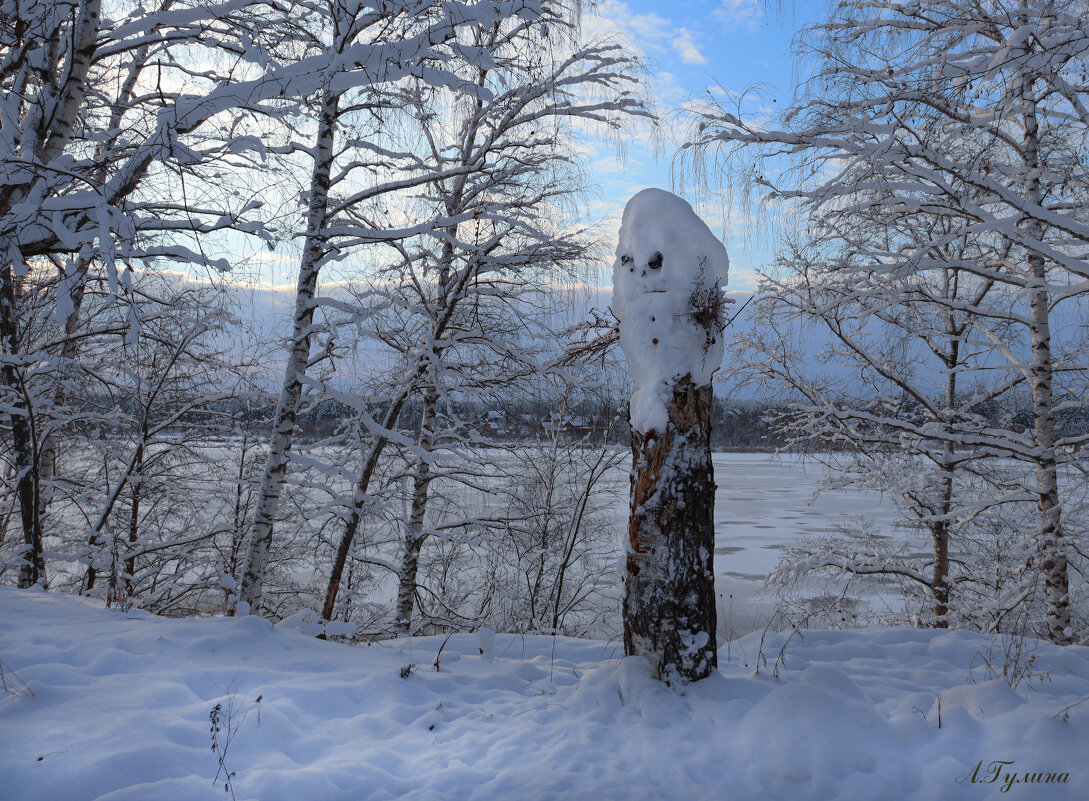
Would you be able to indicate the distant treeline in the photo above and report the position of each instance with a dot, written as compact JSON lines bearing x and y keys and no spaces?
{"x":745,"y":425}
{"x":736,"y":426}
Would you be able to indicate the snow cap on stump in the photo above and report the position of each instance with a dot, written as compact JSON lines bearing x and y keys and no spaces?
{"x":667,"y":264}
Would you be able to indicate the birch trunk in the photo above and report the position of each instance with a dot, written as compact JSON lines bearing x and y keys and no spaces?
{"x":47,"y":129}
{"x":1051,"y":542}
{"x":253,"y":573}
{"x":77,"y":281}
{"x":939,"y":529}
{"x":351,"y":526}
{"x":445,"y":310}
{"x":131,"y":470}
{"x":1051,"y":545}
{"x":939,"y":533}
{"x":32,"y":570}
{"x":414,"y":535}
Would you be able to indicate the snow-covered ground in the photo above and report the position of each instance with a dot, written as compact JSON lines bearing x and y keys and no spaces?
{"x":120,"y":706}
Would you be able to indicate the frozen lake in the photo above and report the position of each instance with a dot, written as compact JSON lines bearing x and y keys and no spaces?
{"x":763,"y":504}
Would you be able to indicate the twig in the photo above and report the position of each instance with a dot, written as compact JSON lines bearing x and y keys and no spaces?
{"x":12,"y":684}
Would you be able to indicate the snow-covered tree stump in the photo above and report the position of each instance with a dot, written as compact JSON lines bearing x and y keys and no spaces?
{"x":667,"y":296}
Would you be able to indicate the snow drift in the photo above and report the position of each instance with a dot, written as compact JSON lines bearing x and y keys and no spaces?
{"x":121,"y":702}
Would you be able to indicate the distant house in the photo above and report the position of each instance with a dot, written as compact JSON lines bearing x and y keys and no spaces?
{"x":567,"y":424}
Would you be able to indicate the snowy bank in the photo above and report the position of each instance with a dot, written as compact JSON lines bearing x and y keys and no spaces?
{"x":121,"y":702}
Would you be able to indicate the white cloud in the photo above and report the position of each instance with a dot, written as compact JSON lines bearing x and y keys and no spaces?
{"x":736,"y":14}
{"x":648,"y":34}
{"x":686,"y":47}
{"x":645,"y":32}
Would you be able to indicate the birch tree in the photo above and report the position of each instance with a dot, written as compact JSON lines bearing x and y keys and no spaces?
{"x":972,"y":120}
{"x":163,"y":393}
{"x":463,"y":295}
{"x":373,"y":45}
{"x":917,"y":347}
{"x":83,"y":126}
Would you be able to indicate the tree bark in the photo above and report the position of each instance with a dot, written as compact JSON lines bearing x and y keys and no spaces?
{"x":939,"y":532}
{"x":129,"y":576}
{"x":1051,"y":545}
{"x":940,"y":529}
{"x":283,"y":432}
{"x":75,"y":284}
{"x":32,"y":571}
{"x":669,"y":594}
{"x":415,"y":536}
{"x":134,"y":465}
{"x":351,"y":526}
{"x":445,"y":309}
{"x":1051,"y":542}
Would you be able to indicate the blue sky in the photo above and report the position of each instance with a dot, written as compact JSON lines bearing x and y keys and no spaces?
{"x":690,"y":46}
{"x":693,"y":46}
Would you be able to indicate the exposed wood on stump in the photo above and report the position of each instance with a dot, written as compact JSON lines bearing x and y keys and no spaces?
{"x":669,"y":592}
